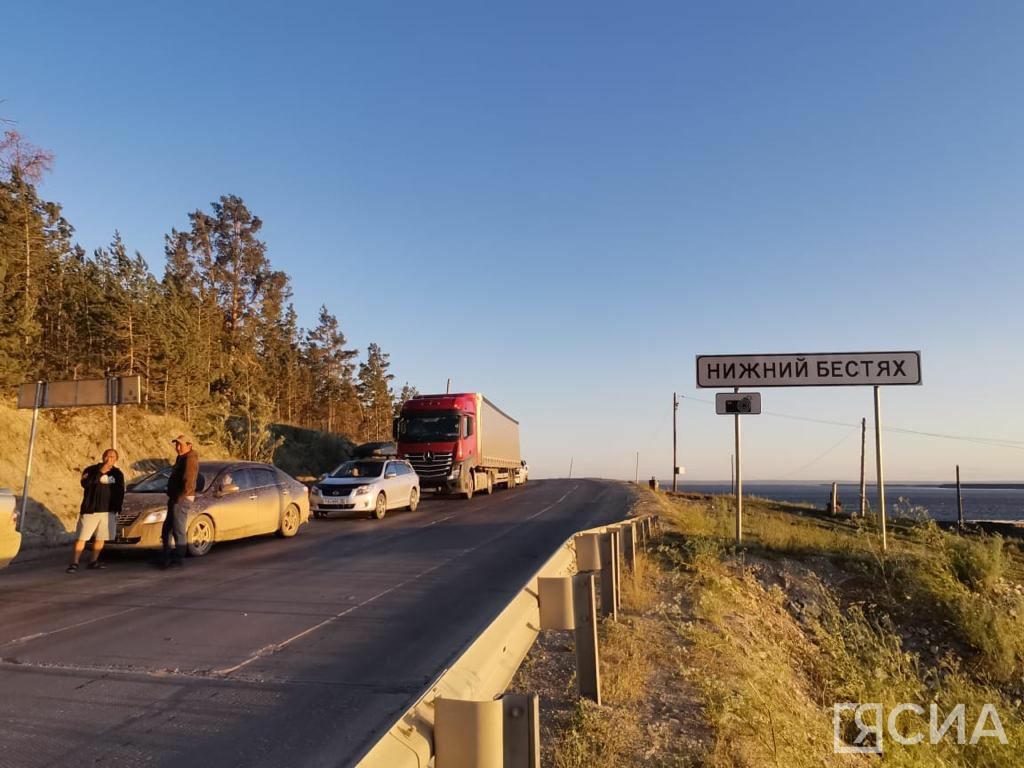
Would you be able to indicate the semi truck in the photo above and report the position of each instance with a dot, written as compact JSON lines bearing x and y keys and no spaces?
{"x":459,"y":443}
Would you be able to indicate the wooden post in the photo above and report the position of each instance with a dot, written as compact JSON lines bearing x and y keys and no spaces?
{"x":863,"y":493}
{"x":959,"y":501}
{"x":879,"y":466}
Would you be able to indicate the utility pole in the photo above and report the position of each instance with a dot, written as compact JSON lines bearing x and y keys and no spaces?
{"x":675,"y":462}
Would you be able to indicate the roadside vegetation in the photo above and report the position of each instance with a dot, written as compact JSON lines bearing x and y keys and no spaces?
{"x":725,"y":657}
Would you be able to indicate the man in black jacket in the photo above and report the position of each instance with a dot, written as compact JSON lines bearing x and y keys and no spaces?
{"x":181,"y":492}
{"x":102,"y":497}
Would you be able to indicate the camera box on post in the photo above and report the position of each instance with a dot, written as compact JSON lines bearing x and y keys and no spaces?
{"x":737,"y":403}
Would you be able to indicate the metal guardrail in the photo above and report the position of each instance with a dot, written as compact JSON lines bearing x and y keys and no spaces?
{"x":483,"y":671}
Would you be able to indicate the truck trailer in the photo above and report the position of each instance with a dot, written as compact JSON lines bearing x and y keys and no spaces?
{"x":459,"y":443}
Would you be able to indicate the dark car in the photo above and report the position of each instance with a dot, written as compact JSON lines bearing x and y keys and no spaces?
{"x":234,"y":500}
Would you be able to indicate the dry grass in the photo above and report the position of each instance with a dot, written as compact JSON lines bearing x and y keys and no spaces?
{"x":735,"y":658}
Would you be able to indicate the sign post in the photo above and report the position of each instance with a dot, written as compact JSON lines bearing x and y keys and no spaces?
{"x":737,"y":404}
{"x":823,"y":369}
{"x":73,"y":394}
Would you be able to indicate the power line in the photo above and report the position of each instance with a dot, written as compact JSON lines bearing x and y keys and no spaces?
{"x":988,"y":441}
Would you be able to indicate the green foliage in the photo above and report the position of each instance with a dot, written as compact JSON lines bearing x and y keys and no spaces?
{"x":307,"y":453}
{"x":216,"y":339}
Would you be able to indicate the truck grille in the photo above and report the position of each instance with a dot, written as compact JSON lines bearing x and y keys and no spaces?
{"x":430,"y":465}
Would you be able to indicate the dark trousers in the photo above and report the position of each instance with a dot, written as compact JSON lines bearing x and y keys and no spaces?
{"x":174,"y":525}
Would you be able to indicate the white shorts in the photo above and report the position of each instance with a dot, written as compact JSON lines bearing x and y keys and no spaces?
{"x":100,"y":524}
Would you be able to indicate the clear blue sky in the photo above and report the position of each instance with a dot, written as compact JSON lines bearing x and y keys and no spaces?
{"x":562,"y":204}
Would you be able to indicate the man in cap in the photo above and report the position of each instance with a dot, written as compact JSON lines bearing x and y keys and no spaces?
{"x":181,"y":492}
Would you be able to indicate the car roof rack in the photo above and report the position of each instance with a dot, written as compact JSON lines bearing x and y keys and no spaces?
{"x":380,"y":450}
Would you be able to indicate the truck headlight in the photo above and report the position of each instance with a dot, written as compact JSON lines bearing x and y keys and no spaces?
{"x":456,"y":472}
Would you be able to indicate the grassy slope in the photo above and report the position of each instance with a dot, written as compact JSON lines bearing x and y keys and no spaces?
{"x":726,"y":658}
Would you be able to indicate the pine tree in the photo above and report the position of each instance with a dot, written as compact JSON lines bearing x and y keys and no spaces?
{"x":375,"y":394}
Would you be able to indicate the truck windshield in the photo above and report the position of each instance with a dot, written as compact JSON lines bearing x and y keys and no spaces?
{"x":424,"y":428}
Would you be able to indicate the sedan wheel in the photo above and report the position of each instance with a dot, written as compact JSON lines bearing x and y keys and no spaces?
{"x":289,"y":522}
{"x":381,"y":507}
{"x":414,"y":499}
{"x":200,"y":536}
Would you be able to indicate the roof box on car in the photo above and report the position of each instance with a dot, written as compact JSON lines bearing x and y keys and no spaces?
{"x":370,"y":450}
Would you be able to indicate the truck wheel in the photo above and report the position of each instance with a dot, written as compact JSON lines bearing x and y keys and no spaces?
{"x":468,"y":490}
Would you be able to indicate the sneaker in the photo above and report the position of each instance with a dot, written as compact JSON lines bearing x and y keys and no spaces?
{"x":73,"y":568}
{"x":96,"y":566}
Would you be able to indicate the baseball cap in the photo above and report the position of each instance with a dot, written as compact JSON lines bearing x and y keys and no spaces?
{"x":183,"y":439}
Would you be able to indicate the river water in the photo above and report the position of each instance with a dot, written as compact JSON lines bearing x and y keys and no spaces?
{"x":938,"y":501}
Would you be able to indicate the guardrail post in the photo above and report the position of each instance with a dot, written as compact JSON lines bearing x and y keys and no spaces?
{"x":588,"y":552}
{"x":629,"y":544}
{"x":521,"y":732}
{"x":617,"y":567}
{"x":588,"y":674}
{"x":608,"y":604}
{"x":555,"y":596}
{"x":468,"y":734}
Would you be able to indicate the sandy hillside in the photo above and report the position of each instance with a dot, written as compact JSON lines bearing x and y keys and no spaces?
{"x":69,"y":439}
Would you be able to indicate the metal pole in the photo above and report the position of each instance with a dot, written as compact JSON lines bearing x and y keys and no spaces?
{"x":675,"y":462}
{"x":20,"y":527}
{"x":739,"y":483}
{"x":113,"y":427}
{"x":448,"y":387}
{"x":570,"y":467}
{"x":863,"y":493}
{"x":732,"y":473}
{"x":878,"y":466}
{"x":959,"y":501}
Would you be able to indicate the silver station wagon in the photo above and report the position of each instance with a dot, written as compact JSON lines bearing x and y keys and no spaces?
{"x":234,"y":500}
{"x":371,"y":485}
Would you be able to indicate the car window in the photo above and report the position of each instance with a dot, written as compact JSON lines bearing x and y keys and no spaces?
{"x":359,"y":469}
{"x":245,"y":479}
{"x":264,"y":478}
{"x":155,"y":483}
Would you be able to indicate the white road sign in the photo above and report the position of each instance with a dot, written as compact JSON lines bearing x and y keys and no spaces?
{"x":829,"y":369}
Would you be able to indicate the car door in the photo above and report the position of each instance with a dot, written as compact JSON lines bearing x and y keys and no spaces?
{"x":268,"y":501}
{"x":234,"y":504}
{"x":397,"y":486}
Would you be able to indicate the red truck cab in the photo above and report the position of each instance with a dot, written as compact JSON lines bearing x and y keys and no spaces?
{"x":458,"y":443}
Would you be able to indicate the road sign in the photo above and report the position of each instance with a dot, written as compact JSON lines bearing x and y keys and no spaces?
{"x":737,"y":403}
{"x":829,"y":369}
{"x":123,"y":390}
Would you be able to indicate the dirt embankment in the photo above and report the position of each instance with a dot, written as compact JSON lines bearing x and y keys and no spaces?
{"x":68,"y":440}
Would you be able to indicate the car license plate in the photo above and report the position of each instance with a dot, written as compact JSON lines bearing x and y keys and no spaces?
{"x":332,"y":500}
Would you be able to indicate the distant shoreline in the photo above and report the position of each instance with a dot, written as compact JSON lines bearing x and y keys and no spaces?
{"x":1001,"y":486}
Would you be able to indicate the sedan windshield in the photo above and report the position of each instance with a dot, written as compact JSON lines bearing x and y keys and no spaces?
{"x":157,"y":482}
{"x":423,"y":428}
{"x":359,"y":469}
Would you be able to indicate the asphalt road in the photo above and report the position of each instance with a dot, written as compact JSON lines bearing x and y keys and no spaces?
{"x":267,"y":652}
